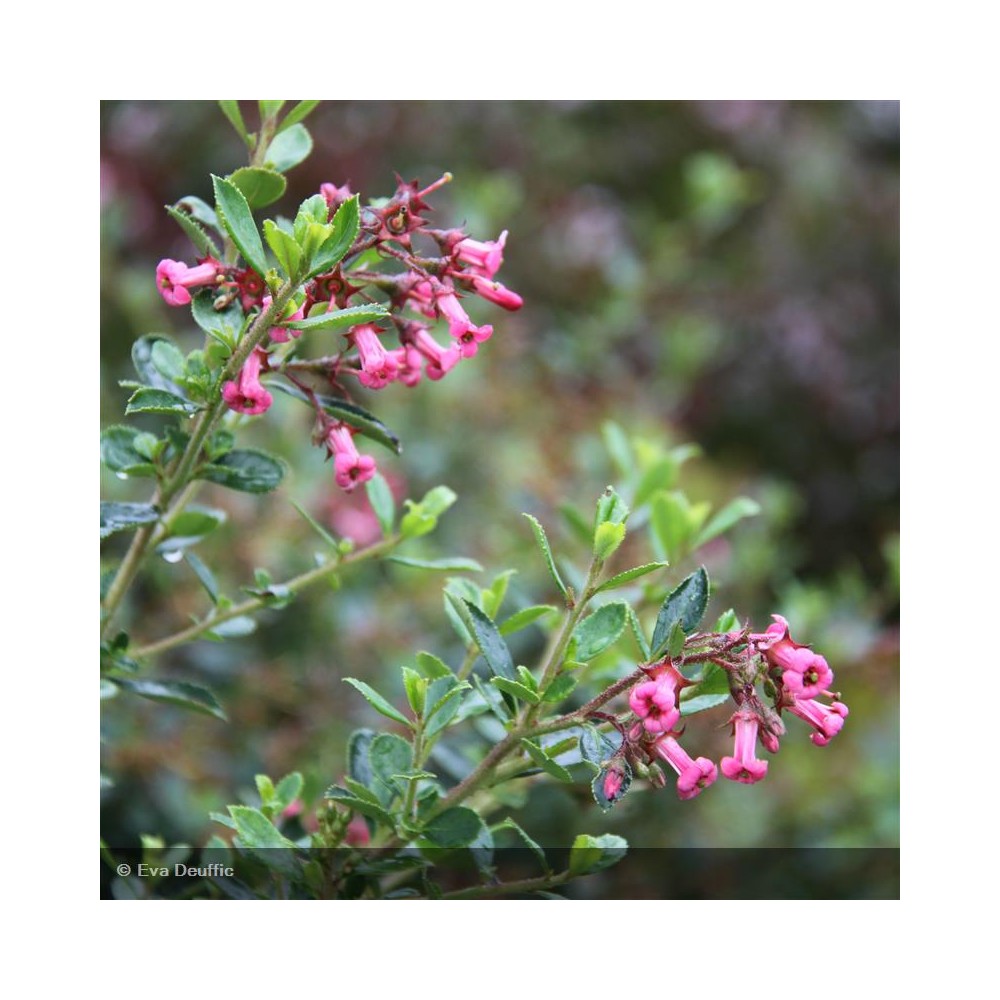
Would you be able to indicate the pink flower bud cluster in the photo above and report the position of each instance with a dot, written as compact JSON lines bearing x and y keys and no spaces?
{"x":796,"y":676}
{"x":431,"y":280}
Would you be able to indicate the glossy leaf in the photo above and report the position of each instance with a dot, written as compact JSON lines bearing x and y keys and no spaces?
{"x":599,"y":631}
{"x":287,"y":790}
{"x":595,"y":747}
{"x":516,"y":689}
{"x":382,"y":503}
{"x":125,"y":516}
{"x":244,"y":469}
{"x":487,"y":637}
{"x":180,"y":693}
{"x":361,"y":420}
{"x":157,"y":401}
{"x":283,"y":247}
{"x":290,"y":147}
{"x":669,"y":518}
{"x":260,"y":187}
{"x":345,"y":231}
{"x":533,"y":846}
{"x":542,"y":759}
{"x":142,"y":360}
{"x":119,"y":455}
{"x":204,"y":574}
{"x":358,"y":764}
{"x":607,"y":538}
{"x":194,"y":231}
{"x":433,"y":666}
{"x":637,"y":633}
{"x":359,"y":805}
{"x":458,"y":827}
{"x":591,"y":854}
{"x":390,"y":755}
{"x":377,"y":702}
{"x":685,"y":605}
{"x":234,"y":214}
{"x":543,"y":544}
{"x":226,"y":323}
{"x":340,"y":319}
{"x":559,"y":689}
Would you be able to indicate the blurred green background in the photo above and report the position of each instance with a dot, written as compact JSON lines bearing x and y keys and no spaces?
{"x":724,"y":273}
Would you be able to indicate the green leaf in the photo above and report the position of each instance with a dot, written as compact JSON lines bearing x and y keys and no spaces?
{"x":543,"y":544}
{"x":231,"y":109}
{"x":523,"y":618}
{"x":146,"y":400}
{"x":340,"y":319}
{"x":224,"y":323}
{"x":180,"y":693}
{"x":629,"y":575}
{"x":607,"y":538}
{"x":377,"y":701}
{"x":316,"y":526}
{"x":290,"y":147}
{"x":415,"y":686}
{"x":494,"y":699}
{"x":458,"y":563}
{"x":703,"y":702}
{"x":444,"y":695}
{"x":390,"y":755}
{"x":142,"y":360}
{"x":359,"y":805}
{"x":685,"y":605}
{"x":358,"y":763}
{"x":125,"y":516}
{"x":734,"y":511}
{"x":244,"y":469}
{"x":361,"y":420}
{"x":595,"y":748}
{"x":204,"y":575}
{"x":119,"y":454}
{"x":336,"y":246}
{"x":265,"y":788}
{"x":190,"y":527}
{"x":580,"y":526}
{"x":260,"y":187}
{"x":297,"y":114}
{"x":234,"y":214}
{"x":433,"y":666}
{"x":710,"y":691}
{"x":727,"y":622}
{"x":194,"y":231}
{"x":167,"y":359}
{"x":516,"y":689}
{"x":591,"y":854}
{"x":675,"y":641}
{"x":487,"y":637}
{"x":255,"y":830}
{"x":494,"y":594}
{"x":458,"y":827}
{"x":283,"y":247}
{"x":611,"y":509}
{"x":421,"y":518}
{"x":460,"y":588}
{"x":509,"y":824}
{"x":542,"y":759}
{"x":559,"y":689}
{"x":200,"y":211}
{"x":600,"y":630}
{"x":640,"y":638}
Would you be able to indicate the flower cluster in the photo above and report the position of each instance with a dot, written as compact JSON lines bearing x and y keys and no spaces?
{"x":792,"y":676}
{"x":418,"y":285}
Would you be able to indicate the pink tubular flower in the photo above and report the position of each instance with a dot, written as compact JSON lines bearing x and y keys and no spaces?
{"x":281,"y":334}
{"x":460,"y":326}
{"x":804,"y":673}
{"x":654,"y":703}
{"x":693,"y":776}
{"x":420,"y":296}
{"x":484,"y":258}
{"x":743,"y":765}
{"x":408,"y":360}
{"x":440,"y":360}
{"x":493,"y":291}
{"x":174,"y":278}
{"x":246,"y":394}
{"x":350,"y":468}
{"x":378,"y":366}
{"x":827,"y":720}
